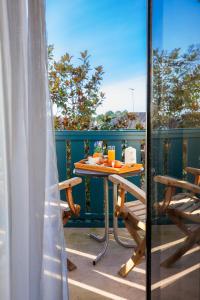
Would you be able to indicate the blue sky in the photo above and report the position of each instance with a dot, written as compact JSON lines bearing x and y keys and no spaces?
{"x":114,"y":33}
{"x":176,"y":23}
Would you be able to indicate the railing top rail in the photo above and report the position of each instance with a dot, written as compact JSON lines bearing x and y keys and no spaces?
{"x":101,"y":134}
{"x":127,"y":134}
{"x":176,"y":133}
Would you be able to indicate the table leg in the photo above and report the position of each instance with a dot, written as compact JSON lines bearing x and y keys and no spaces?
{"x":96,"y":237}
{"x":106,"y":212}
{"x":115,"y":222}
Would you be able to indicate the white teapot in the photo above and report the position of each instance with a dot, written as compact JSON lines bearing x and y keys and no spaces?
{"x":130,"y":155}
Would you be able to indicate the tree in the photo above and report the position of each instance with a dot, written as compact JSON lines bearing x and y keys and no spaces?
{"x":117,"y":120}
{"x":176,"y":92}
{"x":75,"y":89}
{"x":111,"y":120}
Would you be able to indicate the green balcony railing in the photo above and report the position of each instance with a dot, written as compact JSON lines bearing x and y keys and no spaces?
{"x":173,"y":150}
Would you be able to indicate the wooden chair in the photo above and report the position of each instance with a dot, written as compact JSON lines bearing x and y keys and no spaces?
{"x":183,"y":209}
{"x":134,"y":216}
{"x":68,"y":208}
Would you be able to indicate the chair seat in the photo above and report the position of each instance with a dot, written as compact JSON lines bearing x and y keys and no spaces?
{"x":186,"y":205}
{"x":137,"y":208}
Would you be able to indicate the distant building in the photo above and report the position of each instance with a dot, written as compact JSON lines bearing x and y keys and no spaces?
{"x":136,"y":118}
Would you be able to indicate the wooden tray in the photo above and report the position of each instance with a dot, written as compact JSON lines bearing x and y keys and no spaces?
{"x":104,"y":169}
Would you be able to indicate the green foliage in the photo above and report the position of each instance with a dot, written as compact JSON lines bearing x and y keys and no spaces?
{"x":190,"y":120}
{"x":75,"y":89}
{"x":111,"y":120}
{"x":139,"y":126}
{"x":176,"y":81}
{"x":117,"y":120}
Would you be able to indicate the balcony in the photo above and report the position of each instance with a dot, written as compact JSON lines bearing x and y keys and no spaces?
{"x":178,"y":148}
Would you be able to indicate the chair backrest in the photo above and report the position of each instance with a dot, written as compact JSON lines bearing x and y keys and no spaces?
{"x":129,"y":187}
{"x":134,"y":211}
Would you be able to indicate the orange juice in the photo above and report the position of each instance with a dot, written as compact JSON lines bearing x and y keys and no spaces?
{"x":111,"y":154}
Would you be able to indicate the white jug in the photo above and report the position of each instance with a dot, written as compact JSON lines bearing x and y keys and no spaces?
{"x":130,"y":155}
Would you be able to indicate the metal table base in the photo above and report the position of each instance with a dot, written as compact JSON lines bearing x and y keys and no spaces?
{"x":105,"y":238}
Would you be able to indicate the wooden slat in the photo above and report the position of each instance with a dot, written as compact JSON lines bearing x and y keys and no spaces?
{"x":192,"y":208}
{"x":175,"y":157}
{"x":193,"y":227}
{"x":180,"y":196}
{"x":139,"y":212}
{"x":77,"y":151}
{"x":143,"y":218}
{"x":137,"y":208}
{"x":194,"y":216}
{"x":61,"y":161}
{"x":134,"y":207}
{"x":170,"y":181}
{"x":186,"y":205}
{"x":193,"y":152}
{"x":175,"y":204}
{"x":133,"y":203}
{"x":96,"y":198}
{"x":158,"y":140}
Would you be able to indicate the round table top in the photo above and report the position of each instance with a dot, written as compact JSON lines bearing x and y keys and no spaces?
{"x":81,"y":172}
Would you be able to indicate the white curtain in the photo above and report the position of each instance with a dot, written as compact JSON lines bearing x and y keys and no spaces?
{"x":32,"y":259}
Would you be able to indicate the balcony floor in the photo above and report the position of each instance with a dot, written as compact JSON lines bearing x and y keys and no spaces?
{"x":101,"y":282}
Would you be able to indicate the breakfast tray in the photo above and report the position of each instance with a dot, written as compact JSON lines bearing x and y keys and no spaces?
{"x":106,"y":169}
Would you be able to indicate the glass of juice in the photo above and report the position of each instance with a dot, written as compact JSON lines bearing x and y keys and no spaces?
{"x":111,"y":154}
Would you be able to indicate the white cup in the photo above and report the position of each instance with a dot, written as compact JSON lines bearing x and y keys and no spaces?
{"x":91,"y":160}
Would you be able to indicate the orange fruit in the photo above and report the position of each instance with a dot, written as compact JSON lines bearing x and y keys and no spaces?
{"x":118,"y":164}
{"x":97,"y":154}
{"x":105,"y":160}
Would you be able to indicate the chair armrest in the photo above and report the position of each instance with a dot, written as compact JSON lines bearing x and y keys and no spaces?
{"x":67,"y":186}
{"x":173,"y":182}
{"x":129,"y":187}
{"x":193,"y":171}
{"x":64,"y":205}
{"x":69,"y":183}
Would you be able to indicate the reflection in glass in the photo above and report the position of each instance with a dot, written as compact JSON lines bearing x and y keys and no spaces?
{"x":175,"y":148}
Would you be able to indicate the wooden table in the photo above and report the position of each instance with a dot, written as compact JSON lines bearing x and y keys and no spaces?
{"x":105,"y":238}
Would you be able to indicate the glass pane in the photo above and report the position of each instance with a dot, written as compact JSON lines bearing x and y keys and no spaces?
{"x":175,"y":146}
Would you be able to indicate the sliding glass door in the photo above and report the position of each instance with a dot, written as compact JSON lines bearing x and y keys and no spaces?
{"x":174,"y":150}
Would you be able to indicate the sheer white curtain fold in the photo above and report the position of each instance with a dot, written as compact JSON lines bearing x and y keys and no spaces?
{"x":32,"y":256}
